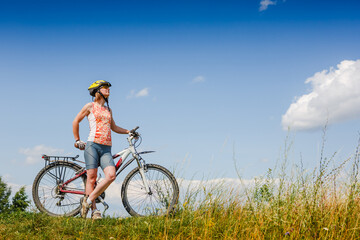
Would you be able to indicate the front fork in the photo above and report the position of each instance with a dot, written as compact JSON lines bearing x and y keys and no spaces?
{"x":142,"y":168}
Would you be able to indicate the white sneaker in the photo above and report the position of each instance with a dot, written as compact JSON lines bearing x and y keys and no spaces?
{"x":84,"y":207}
{"x":96,"y":214}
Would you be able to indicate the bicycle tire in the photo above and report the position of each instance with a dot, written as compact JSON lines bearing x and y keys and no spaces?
{"x":162,"y":200}
{"x":45,"y":193}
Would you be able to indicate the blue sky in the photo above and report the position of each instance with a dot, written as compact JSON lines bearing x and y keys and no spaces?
{"x":208,"y":82}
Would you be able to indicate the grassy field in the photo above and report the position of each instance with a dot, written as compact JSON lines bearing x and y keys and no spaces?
{"x":290,"y":218}
{"x":285,"y":203}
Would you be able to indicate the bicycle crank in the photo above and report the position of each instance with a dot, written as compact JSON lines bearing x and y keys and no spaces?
{"x":106,"y":206}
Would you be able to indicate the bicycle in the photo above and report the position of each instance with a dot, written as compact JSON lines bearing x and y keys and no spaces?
{"x":149,"y":189}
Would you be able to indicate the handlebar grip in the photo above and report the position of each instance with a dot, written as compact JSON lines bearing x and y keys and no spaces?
{"x":134,"y":130}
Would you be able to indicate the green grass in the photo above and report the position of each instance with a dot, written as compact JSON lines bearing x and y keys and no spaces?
{"x":300,"y":212}
{"x":285,"y":203}
{"x":298,"y":219}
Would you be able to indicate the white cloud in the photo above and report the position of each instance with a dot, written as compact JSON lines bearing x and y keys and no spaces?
{"x":16,"y":187}
{"x":198,"y":79}
{"x":6,"y":177}
{"x":33,"y":155}
{"x":198,"y":189}
{"x":113,"y":193}
{"x":335,"y":97}
{"x":265,"y":3}
{"x":142,"y":93}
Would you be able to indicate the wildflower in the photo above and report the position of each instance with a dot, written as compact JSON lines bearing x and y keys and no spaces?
{"x":210,"y":223}
{"x":290,"y":231}
{"x":326,"y":229}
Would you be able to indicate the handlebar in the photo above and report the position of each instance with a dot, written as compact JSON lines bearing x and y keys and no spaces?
{"x":134,"y":133}
{"x":134,"y":130}
{"x":134,"y":136}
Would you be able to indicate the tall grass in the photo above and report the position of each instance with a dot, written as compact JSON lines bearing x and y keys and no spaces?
{"x":288,"y":202}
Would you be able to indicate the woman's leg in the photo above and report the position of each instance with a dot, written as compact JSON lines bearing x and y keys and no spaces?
{"x":92,"y":158}
{"x":102,"y":186}
{"x":90,"y":183}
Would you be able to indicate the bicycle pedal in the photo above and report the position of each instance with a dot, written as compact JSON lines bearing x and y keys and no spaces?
{"x":106,"y":206}
{"x":103,"y":214}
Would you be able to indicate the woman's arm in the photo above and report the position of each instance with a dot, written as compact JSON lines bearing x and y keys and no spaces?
{"x":79,"y":117}
{"x":116,"y":128}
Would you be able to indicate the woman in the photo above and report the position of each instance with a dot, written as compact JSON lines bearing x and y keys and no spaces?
{"x":98,"y":147}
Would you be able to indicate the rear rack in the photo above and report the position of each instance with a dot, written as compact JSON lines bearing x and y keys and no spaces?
{"x":55,"y":159}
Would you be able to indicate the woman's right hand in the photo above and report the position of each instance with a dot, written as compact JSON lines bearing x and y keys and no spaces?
{"x":80,"y":144}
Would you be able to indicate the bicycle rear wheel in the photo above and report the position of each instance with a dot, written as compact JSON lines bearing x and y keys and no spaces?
{"x":162,"y":198}
{"x":46,"y":194}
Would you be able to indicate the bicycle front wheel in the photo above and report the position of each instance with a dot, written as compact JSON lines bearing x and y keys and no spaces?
{"x":163,"y":195}
{"x":46,"y":189}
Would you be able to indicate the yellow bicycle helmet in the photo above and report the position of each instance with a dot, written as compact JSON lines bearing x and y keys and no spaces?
{"x":95,"y":86}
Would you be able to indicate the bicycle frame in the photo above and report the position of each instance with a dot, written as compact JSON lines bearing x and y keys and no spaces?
{"x":123,"y":156}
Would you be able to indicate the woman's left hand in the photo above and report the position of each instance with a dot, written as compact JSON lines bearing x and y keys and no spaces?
{"x":80,"y":144}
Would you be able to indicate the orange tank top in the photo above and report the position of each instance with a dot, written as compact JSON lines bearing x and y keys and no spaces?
{"x":100,"y":125}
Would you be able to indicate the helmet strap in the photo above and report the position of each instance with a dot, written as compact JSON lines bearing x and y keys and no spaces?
{"x":106,"y":100}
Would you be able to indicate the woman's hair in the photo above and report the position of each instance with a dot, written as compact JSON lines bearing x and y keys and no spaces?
{"x":97,"y":97}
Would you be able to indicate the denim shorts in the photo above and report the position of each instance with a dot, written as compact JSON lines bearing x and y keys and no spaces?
{"x":98,"y":155}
